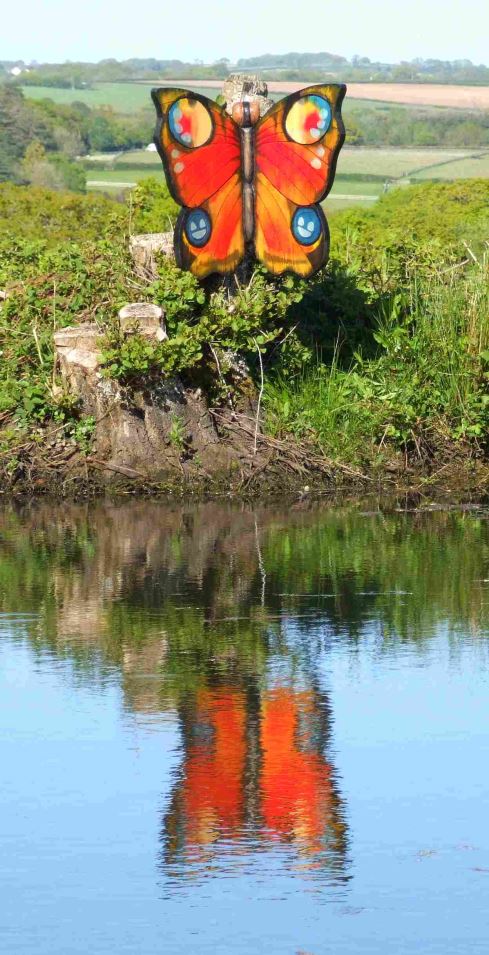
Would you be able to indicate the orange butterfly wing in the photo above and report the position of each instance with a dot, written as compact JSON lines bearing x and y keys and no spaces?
{"x":199,"y":145}
{"x":296,"y":150}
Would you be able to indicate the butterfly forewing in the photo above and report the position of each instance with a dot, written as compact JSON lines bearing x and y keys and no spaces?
{"x":199,"y":145}
{"x":297,"y":146}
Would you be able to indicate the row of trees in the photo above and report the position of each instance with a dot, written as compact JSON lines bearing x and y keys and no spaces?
{"x":57,"y":135}
{"x":362,"y":69}
{"x":416,"y":127}
{"x":306,"y":66}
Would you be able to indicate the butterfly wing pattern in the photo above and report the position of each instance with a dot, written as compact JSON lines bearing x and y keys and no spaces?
{"x":287,"y":165}
{"x":297,"y":146}
{"x":199,"y":145}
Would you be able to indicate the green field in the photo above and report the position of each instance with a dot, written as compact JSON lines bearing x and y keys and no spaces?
{"x":394,"y":163}
{"x":473,"y":166}
{"x":123,"y":97}
{"x":130,"y":97}
{"x":343,"y":194}
{"x":352,"y":192}
{"x":387,"y":165}
{"x":109,"y":180}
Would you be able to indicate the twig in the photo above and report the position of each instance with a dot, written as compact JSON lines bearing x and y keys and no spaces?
{"x":258,"y":407}
{"x":38,"y":347}
{"x":105,"y":466}
{"x":261,"y":565}
{"x":472,"y":256}
{"x":298,"y":458}
{"x":216,"y":359}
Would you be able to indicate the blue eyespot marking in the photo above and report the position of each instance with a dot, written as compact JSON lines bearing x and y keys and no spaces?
{"x":306,"y":225}
{"x":198,"y":228}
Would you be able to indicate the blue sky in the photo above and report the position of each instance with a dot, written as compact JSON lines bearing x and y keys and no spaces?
{"x":56,"y":30}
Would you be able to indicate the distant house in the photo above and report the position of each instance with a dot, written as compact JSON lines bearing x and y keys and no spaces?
{"x":151,"y":148}
{"x":16,"y":71}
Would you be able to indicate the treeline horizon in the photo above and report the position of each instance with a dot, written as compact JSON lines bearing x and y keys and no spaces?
{"x":286,"y":66}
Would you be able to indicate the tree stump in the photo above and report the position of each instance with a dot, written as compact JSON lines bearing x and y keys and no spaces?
{"x":145,"y":319}
{"x":145,"y":247}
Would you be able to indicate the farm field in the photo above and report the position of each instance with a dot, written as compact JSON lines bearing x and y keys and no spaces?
{"x":349,"y":193}
{"x":123,"y":97}
{"x":130,"y":97}
{"x":385,"y":164}
{"x":394,"y":163}
{"x":411,"y":94}
{"x":408,"y":94}
{"x":469,"y":167}
{"x":110,"y":179}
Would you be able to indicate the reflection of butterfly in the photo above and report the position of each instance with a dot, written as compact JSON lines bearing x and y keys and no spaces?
{"x":250,"y":186}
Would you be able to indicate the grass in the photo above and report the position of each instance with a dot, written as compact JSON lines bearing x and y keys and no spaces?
{"x":423,"y":384}
{"x":132,"y":96}
{"x":380,"y":359}
{"x":351,"y":192}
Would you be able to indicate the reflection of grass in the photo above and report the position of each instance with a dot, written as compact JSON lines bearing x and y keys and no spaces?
{"x":55,"y":568}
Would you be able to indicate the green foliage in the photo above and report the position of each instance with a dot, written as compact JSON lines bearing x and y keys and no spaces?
{"x":53,"y":172}
{"x":412,"y":231}
{"x":62,"y":133}
{"x":19,"y":125}
{"x":388,"y":348}
{"x":390,"y":125}
{"x":416,"y":373}
{"x":72,"y":175}
{"x":203,"y":329}
{"x":176,"y":434}
{"x":152,"y":208}
{"x":50,"y":287}
{"x":42,"y":215}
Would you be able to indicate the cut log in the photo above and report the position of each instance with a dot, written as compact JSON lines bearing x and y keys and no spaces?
{"x":144,"y":249}
{"x":143,"y":318}
{"x":78,"y":354}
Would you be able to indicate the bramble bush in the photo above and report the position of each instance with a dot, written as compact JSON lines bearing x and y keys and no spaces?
{"x":388,"y":346}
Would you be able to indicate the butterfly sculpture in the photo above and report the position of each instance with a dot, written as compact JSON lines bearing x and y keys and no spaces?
{"x":250,"y":186}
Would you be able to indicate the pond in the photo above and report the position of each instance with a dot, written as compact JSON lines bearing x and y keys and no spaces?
{"x":243,"y":730}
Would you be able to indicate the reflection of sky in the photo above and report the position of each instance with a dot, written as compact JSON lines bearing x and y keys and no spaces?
{"x":84,"y":787}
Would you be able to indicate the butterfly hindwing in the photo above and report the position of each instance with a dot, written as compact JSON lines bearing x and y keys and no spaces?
{"x":288,"y":237}
{"x":199,"y":146}
{"x":296,"y":149}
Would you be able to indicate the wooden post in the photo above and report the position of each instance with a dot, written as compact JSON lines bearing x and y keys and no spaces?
{"x":238,"y":89}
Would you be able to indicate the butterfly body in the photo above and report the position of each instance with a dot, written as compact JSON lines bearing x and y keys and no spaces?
{"x":250,"y":185}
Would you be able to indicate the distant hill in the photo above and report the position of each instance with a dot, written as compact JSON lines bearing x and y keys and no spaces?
{"x":280,"y":66}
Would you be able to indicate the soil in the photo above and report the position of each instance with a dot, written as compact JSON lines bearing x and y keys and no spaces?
{"x":220,"y":453}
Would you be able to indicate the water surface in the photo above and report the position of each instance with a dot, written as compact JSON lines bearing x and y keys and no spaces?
{"x":235,"y":730}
